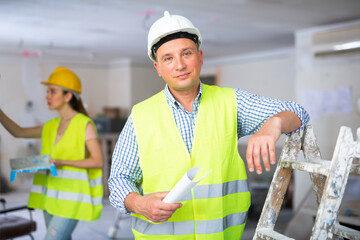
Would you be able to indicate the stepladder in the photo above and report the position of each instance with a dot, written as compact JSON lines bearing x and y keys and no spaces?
{"x":328,"y":177}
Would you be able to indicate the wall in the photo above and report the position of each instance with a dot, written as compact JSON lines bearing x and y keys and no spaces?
{"x":145,"y":82}
{"x":119,"y":86}
{"x":270,"y":74}
{"x":12,"y":101}
{"x":324,"y":75}
{"x":95,"y":81}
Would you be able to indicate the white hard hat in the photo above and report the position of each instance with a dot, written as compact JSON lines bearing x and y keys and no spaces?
{"x":167,"y":25}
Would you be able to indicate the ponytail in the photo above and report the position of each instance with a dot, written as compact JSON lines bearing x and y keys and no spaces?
{"x":77,"y":104}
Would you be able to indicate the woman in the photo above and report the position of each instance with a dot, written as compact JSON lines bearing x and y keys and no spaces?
{"x":71,"y":141}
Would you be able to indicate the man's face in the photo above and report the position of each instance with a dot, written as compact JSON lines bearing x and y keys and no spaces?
{"x":179,"y":63}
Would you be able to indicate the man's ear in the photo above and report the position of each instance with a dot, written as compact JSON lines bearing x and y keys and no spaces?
{"x":158,"y":69}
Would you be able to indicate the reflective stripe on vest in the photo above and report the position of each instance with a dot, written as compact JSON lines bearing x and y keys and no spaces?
{"x":220,"y":189}
{"x":217,"y":190}
{"x":78,"y":197}
{"x":188,"y":227}
{"x":83,"y":176}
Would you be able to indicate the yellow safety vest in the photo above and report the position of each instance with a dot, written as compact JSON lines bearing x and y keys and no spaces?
{"x":75,"y":193}
{"x":217,"y":207}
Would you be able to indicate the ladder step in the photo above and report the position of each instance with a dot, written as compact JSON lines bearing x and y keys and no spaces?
{"x":346,"y":232}
{"x":320,"y":167}
{"x":269,"y":234}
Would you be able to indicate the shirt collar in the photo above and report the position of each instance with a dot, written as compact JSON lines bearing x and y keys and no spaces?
{"x":173,"y":102}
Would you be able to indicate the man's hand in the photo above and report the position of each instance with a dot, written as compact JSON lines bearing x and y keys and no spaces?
{"x":262,"y":143}
{"x":151,"y":206}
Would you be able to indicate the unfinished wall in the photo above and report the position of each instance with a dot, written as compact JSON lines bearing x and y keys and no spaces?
{"x":329,"y":86}
{"x":119,"y":86}
{"x":270,"y":74}
{"x":145,"y":82}
{"x":94,"y":81}
{"x":12,"y":101}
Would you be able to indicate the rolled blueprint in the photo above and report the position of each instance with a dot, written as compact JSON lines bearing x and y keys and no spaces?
{"x":184,"y":185}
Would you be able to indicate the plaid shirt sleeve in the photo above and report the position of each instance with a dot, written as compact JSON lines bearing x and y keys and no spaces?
{"x":254,"y":110}
{"x":125,"y":174}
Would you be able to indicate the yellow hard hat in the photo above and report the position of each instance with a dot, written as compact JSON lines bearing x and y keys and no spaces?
{"x":65,"y":78}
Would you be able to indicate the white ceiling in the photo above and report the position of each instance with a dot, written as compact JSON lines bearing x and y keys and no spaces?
{"x":108,"y":30}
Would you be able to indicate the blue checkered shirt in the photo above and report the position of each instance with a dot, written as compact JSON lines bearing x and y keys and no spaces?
{"x":253,"y":111}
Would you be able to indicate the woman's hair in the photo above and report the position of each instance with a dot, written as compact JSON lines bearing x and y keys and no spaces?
{"x":76,"y":104}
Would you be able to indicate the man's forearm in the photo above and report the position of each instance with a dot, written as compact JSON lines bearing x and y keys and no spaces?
{"x":130,"y":201}
{"x":262,"y":143}
{"x":289,"y":121}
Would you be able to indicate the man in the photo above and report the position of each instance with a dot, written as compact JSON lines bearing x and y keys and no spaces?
{"x":191,"y":124}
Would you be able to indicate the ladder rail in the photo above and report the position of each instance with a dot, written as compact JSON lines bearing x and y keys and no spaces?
{"x":329,"y":179}
{"x":334,"y":188}
{"x":311,"y":152}
{"x":279,"y":184}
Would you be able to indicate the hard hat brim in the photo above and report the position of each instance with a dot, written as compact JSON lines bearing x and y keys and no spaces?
{"x":49,"y":83}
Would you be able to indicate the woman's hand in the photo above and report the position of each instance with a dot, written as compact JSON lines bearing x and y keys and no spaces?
{"x":95,"y":161}
{"x":56,"y":162}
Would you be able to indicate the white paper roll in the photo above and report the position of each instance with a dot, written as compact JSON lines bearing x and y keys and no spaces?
{"x":184,"y":185}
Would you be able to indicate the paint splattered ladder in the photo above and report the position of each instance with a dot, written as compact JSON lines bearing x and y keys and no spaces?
{"x":329,"y":179}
